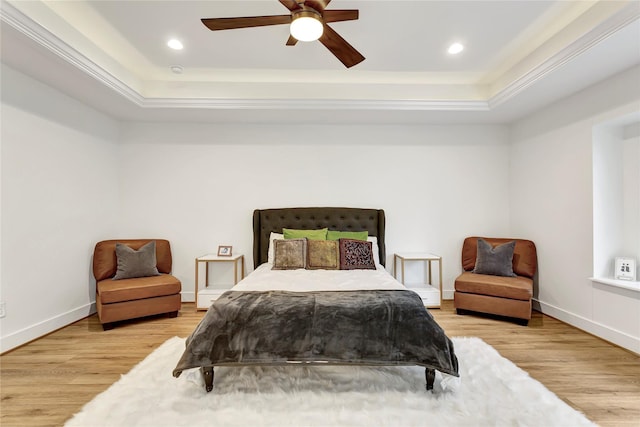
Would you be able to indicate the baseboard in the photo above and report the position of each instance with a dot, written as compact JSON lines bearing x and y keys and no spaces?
{"x":189,"y":296}
{"x":604,"y":332}
{"x":45,"y":327}
{"x":447,"y":294}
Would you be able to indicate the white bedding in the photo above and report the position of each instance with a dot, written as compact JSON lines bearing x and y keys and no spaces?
{"x":264,"y":278}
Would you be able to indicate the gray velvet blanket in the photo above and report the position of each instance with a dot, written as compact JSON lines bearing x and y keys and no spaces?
{"x":342,"y":327}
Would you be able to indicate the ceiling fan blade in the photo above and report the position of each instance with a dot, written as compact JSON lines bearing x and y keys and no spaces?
{"x":215,"y":24}
{"x":290,"y":4}
{"x":318,"y":5}
{"x":340,"y":15}
{"x":292,"y":41}
{"x":342,"y":50}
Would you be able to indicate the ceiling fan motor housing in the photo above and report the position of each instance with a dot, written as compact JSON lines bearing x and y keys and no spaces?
{"x":306,"y":24}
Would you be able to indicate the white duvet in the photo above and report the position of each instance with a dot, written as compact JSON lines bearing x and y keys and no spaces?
{"x":264,"y":278}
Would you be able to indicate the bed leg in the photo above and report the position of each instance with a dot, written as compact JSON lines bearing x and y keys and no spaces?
{"x":207,"y":375}
{"x":430,"y":375}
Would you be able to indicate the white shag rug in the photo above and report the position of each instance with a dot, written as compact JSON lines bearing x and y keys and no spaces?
{"x":491,"y":391}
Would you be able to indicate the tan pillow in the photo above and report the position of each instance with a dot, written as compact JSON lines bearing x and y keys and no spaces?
{"x":323,"y":254}
{"x":289,"y":254}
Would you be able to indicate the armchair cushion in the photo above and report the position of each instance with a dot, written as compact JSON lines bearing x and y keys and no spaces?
{"x":105,"y":262}
{"x":518,"y":287}
{"x":139,"y":288}
{"x":524,"y":254}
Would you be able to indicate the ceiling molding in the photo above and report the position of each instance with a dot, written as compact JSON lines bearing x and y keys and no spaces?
{"x":28,"y":27}
{"x":619,"y":20}
{"x":34,"y":31}
{"x":316,"y":104}
{"x":25,"y":25}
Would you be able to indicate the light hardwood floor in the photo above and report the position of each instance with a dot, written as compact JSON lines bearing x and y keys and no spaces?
{"x":46,"y":381}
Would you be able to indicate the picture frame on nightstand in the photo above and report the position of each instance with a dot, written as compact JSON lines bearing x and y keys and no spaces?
{"x":225,"y":250}
{"x":625,"y":268}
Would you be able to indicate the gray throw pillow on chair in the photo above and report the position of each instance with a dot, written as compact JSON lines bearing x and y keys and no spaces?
{"x":496,"y":261}
{"x":136,"y":263}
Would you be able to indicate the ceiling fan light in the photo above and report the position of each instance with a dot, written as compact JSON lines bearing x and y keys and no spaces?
{"x":306,"y":27}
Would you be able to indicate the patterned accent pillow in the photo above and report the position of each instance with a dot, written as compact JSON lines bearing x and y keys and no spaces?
{"x":323,"y":254}
{"x":356,"y":254}
{"x":496,"y":261}
{"x":289,"y":254}
{"x":136,"y":263}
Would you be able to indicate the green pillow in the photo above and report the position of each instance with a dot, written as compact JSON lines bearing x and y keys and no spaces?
{"x":355,"y":235}
{"x":290,"y":233}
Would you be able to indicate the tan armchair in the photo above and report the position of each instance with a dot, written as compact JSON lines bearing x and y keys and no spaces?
{"x":500,"y":295}
{"x":131,"y":298}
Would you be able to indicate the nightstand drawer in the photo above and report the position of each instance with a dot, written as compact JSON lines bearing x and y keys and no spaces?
{"x":206,"y":297}
{"x":430,"y":294}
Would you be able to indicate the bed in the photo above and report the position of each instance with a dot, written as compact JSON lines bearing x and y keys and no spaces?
{"x":346,"y":317}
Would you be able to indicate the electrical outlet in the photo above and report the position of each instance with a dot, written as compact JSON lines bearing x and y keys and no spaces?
{"x":3,"y":309}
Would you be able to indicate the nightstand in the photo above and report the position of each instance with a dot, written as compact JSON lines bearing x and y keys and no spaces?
{"x":430,"y":294}
{"x":206,"y":296}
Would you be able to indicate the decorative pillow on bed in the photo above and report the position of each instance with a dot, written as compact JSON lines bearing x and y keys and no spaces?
{"x":323,"y":254}
{"x":290,"y":233}
{"x":374,"y":248}
{"x":273,"y":236}
{"x":356,"y":235}
{"x":496,"y":261}
{"x":356,"y":254}
{"x":136,"y":263}
{"x":289,"y":254}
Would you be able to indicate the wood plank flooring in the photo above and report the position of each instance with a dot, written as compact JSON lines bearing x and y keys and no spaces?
{"x":46,"y":381}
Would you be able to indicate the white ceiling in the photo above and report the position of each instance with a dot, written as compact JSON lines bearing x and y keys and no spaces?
{"x":519,"y":55}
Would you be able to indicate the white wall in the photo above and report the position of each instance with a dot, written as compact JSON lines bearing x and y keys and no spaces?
{"x":59,"y":197}
{"x":70,"y":179}
{"x":197,"y":185}
{"x":551,"y":197}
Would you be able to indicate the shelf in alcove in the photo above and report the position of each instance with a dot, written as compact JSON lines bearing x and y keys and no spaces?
{"x":624,"y":284}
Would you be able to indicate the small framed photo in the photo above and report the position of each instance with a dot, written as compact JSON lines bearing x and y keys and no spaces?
{"x":625,"y":269}
{"x":224,"y":250}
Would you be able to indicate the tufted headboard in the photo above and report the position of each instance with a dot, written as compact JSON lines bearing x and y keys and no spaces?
{"x":266,"y":221}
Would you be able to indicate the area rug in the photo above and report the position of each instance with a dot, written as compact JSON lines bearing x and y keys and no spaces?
{"x":491,"y":391}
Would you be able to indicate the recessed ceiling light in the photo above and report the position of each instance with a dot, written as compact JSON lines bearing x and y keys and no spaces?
{"x":175,"y":44}
{"x":176,"y":69}
{"x":455,"y":48}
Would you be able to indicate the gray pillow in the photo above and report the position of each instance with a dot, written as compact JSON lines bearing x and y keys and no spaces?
{"x":496,"y":261}
{"x":136,"y":263}
{"x":289,"y":254}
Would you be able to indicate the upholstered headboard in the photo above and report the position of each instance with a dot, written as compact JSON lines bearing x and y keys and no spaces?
{"x":266,"y":221}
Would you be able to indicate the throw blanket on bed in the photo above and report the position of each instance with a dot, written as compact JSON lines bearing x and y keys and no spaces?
{"x":377,"y":327}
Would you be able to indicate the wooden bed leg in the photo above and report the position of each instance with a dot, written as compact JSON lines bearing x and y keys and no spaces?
{"x":430,"y":375}
{"x":207,"y":375}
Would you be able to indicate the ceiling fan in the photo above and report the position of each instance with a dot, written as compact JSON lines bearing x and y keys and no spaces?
{"x":303,"y":12}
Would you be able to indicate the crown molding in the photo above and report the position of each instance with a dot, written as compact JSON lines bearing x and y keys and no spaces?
{"x":35,"y":32}
{"x":10,"y":15}
{"x":315,"y":104}
{"x":25,"y":25}
{"x":619,"y":20}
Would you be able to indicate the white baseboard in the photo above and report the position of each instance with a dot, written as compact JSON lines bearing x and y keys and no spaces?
{"x":599,"y":330}
{"x":447,"y":294}
{"x":188,"y":296}
{"x":45,"y":327}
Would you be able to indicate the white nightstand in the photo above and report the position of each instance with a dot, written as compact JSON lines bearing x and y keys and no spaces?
{"x":206,"y":296}
{"x":430,"y":294}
